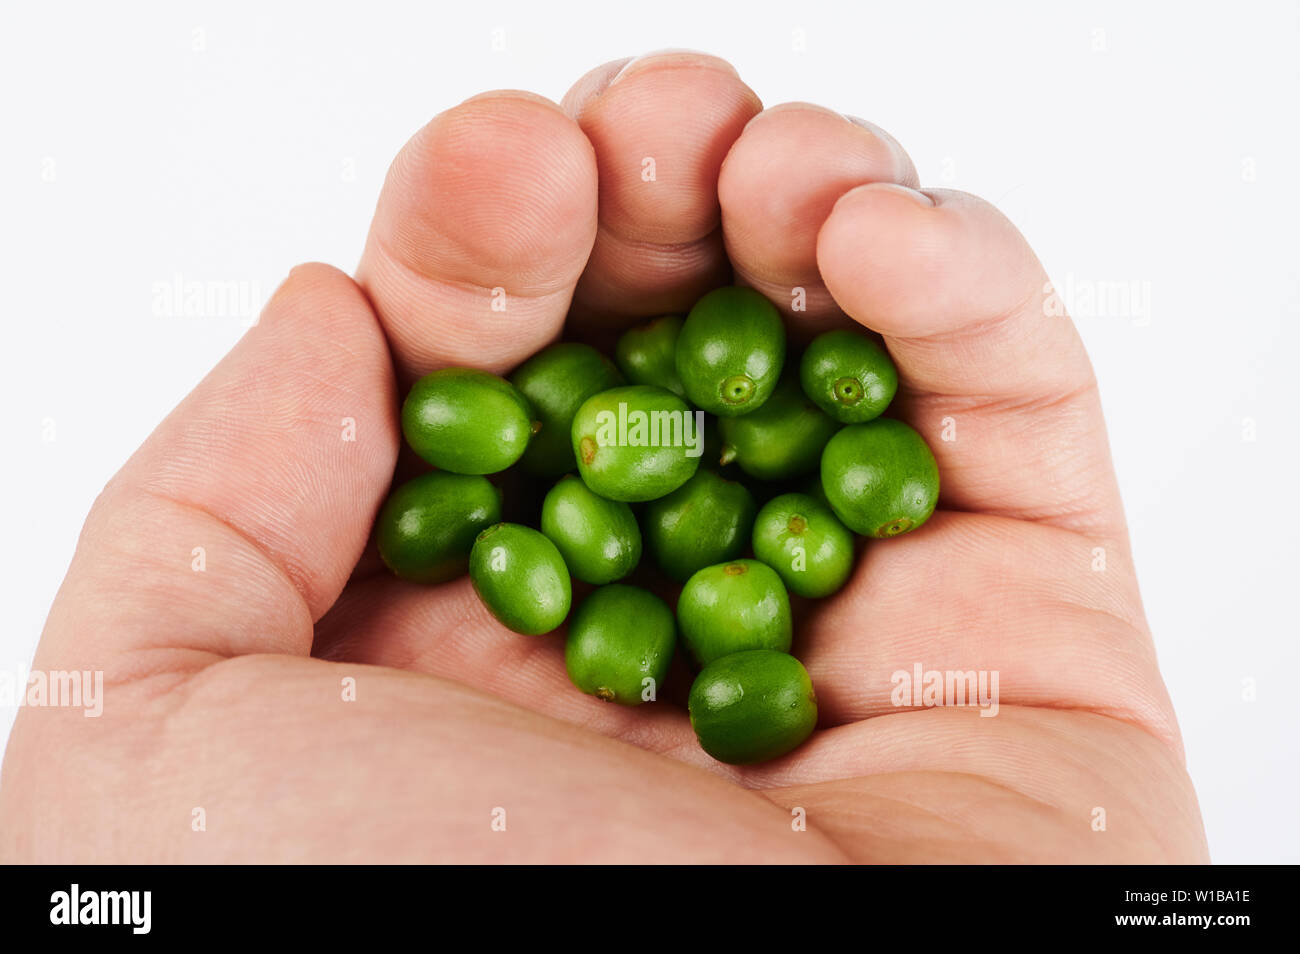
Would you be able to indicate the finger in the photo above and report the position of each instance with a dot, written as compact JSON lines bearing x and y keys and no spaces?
{"x":1021,"y":787}
{"x":237,"y":523}
{"x":778,"y":185}
{"x":1075,"y":640}
{"x":483,"y":226}
{"x":661,"y":126}
{"x":991,"y":373}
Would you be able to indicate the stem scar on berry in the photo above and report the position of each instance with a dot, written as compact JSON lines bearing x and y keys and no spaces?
{"x":895,"y":527}
{"x":848,"y":390}
{"x":737,"y":389}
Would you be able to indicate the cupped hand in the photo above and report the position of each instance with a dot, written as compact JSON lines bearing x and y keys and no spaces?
{"x":273,"y":694}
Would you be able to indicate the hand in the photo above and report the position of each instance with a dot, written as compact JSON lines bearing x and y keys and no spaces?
{"x":225,"y":732}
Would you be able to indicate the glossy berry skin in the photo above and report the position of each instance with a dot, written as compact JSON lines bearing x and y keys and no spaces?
{"x":521,"y":578}
{"x":800,"y":538}
{"x":731,"y":607}
{"x":598,"y":538}
{"x":648,"y":354}
{"x":427,"y":526}
{"x":730,"y":351}
{"x":467,"y":421}
{"x":620,"y":644}
{"x":619,"y":454}
{"x":706,"y":520}
{"x":848,"y":375}
{"x":752,"y":706}
{"x":880,"y":478}
{"x":782,"y":439}
{"x":556,"y":381}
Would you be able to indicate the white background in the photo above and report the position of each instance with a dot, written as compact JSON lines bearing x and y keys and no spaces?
{"x":226,"y":142}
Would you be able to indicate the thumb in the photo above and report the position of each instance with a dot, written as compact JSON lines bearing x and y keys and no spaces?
{"x":237,"y":523}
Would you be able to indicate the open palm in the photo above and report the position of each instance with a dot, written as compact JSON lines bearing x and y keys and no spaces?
{"x":284,"y":698}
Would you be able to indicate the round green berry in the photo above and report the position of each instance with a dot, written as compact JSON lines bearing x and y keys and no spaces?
{"x":782,"y":439}
{"x":598,"y":538}
{"x":799,"y":537}
{"x":752,"y":706}
{"x":467,"y":421}
{"x":427,"y":526}
{"x":620,"y":644}
{"x":880,"y":478}
{"x":636,"y":443}
{"x":556,"y":381}
{"x":731,"y":607}
{"x":730,"y":351}
{"x":521,"y":578}
{"x":706,"y":520}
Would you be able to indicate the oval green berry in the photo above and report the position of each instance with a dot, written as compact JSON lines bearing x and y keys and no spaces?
{"x":782,"y":439}
{"x":521,"y":578}
{"x":636,"y":443}
{"x":800,"y":538}
{"x":730,"y":351}
{"x":598,"y":538}
{"x":880,"y":478}
{"x":556,"y":381}
{"x":706,"y":520}
{"x":620,"y":644}
{"x":427,"y":526}
{"x":648,"y":354}
{"x":731,"y":607}
{"x":752,"y":706}
{"x":848,"y":375}
{"x":467,"y":421}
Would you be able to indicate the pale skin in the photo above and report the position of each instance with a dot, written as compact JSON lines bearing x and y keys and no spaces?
{"x":224,"y":698}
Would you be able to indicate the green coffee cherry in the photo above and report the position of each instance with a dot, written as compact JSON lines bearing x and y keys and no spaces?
{"x":848,"y":375}
{"x":636,"y":443}
{"x":467,"y":421}
{"x":706,"y":520}
{"x":880,"y":478}
{"x":648,"y":354}
{"x":731,"y":607}
{"x":556,"y":381}
{"x":598,"y":538}
{"x":782,"y":439}
{"x":620,"y":644}
{"x":752,"y":706}
{"x":730,"y":351}
{"x":521,"y":578}
{"x":800,"y":538}
{"x":427,"y":526}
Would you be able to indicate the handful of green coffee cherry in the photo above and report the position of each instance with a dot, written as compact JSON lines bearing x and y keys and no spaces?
{"x":655,"y":438}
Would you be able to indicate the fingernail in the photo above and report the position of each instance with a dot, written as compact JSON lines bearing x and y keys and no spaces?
{"x":800,"y":107}
{"x":904,"y":170}
{"x":920,"y":198}
{"x":859,"y":121}
{"x":518,"y":94}
{"x":673,"y":57}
